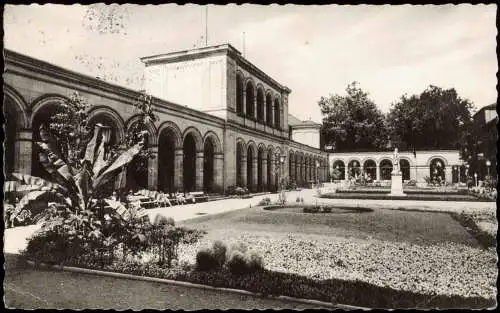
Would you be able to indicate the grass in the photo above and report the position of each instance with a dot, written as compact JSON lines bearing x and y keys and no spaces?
{"x":424,"y":228}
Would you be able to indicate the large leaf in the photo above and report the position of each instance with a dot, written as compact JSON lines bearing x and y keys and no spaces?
{"x":36,"y":181}
{"x":118,"y":207}
{"x":16,"y":186}
{"x":100,"y":163}
{"x":83,"y":181}
{"x":91,"y":146}
{"x":55,"y":163}
{"x":35,"y":196}
{"x":122,"y":160}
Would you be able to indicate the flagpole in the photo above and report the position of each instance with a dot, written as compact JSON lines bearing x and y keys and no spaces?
{"x":206,"y":25}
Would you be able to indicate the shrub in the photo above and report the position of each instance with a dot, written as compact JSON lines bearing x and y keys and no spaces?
{"x":265,"y":201}
{"x":327,"y":209}
{"x":219,"y":251}
{"x":239,"y":191}
{"x":206,"y":260}
{"x":256,"y":262}
{"x":231,"y":190}
{"x":315,"y":209}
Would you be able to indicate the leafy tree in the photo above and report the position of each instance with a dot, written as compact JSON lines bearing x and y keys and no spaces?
{"x":436,"y":119}
{"x":352,"y":122}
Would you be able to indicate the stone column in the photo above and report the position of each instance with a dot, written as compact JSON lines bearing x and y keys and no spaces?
{"x":292,"y":171}
{"x":199,"y":171}
{"x":378,"y":171}
{"x":244,"y":171}
{"x":302,"y":172}
{"x":22,"y":151}
{"x":178,"y":169}
{"x":448,"y":174}
{"x":218,"y":172}
{"x":153,"y":169}
{"x":264,"y":174}
{"x":346,"y":172}
{"x":254,"y":174}
{"x":272,"y":114}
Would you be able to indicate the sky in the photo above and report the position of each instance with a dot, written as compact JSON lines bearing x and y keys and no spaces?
{"x":313,"y":50}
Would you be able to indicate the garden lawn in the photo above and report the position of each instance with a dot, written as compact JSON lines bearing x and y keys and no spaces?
{"x":422,"y":252}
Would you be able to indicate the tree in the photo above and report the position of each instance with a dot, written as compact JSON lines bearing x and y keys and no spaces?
{"x":436,"y":119}
{"x":352,"y":122}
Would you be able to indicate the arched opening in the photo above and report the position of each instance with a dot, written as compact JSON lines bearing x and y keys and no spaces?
{"x":208,"y":166}
{"x":404,"y":167}
{"x":260,"y":105}
{"x":278,"y":169}
{"x":42,"y":118}
{"x":239,"y":165}
{"x":437,"y":170}
{"x":277,"y":114}
{"x":370,"y":169}
{"x":354,"y":169}
{"x":250,"y":156}
{"x":166,"y":161}
{"x":260,"y":178}
{"x":106,"y":120}
{"x":269,"y":171}
{"x":385,"y":169}
{"x":137,"y":169}
{"x":239,"y":94}
{"x":11,"y":126}
{"x":250,"y":100}
{"x":269,"y":110}
{"x":189,"y":163}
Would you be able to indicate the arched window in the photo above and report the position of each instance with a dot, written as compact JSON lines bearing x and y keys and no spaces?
{"x":239,"y":94}
{"x":250,"y":100}
{"x":385,"y":169}
{"x":437,"y":171}
{"x":269,"y":110}
{"x":404,"y":167}
{"x":370,"y":169}
{"x":260,"y":105}
{"x":277,"y":120}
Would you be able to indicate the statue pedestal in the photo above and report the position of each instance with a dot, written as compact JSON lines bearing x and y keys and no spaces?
{"x":397,"y":185}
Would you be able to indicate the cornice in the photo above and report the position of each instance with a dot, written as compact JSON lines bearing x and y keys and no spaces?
{"x":88,"y":83}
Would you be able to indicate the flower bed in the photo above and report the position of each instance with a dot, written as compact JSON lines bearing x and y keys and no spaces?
{"x":346,"y":271}
{"x":482,"y":225}
{"x":413,"y":197}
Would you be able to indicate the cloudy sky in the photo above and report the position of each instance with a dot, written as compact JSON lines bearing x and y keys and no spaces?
{"x":314,"y":50}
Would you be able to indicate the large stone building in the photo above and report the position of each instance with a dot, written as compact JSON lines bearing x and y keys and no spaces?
{"x":222,"y":121}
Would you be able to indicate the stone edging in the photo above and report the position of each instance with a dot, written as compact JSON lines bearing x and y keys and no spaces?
{"x":192,"y":285}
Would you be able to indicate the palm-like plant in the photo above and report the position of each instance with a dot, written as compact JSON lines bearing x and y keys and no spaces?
{"x":79,"y":160}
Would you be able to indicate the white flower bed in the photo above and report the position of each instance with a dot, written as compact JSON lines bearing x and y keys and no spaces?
{"x":450,"y":269}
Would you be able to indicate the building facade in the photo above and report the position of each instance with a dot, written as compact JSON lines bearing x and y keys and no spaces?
{"x":222,"y":121}
{"x":417,"y":166}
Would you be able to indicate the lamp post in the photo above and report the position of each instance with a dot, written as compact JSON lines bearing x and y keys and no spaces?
{"x":455,"y":172}
{"x":488,"y":164}
{"x":475,"y":177}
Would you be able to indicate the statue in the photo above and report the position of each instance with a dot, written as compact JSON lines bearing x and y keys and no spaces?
{"x":395,"y":161}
